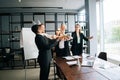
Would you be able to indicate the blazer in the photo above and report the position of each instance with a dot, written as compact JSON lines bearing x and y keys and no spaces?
{"x":44,"y":46}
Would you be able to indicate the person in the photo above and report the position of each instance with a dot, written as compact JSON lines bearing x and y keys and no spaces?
{"x":44,"y":45}
{"x":62,"y":48}
{"x":77,"y":42}
{"x":57,"y":33}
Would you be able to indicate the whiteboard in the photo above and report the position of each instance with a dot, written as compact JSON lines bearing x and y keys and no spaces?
{"x":27,"y":41}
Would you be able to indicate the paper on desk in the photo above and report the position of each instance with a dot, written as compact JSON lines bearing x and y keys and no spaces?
{"x":72,"y":63}
{"x":72,"y":57}
{"x":68,"y":58}
{"x":76,"y":56}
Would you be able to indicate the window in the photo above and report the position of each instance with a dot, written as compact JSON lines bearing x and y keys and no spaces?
{"x":111,"y":31}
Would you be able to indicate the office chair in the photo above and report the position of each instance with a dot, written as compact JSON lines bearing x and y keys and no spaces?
{"x":103,"y":55}
{"x":8,"y":56}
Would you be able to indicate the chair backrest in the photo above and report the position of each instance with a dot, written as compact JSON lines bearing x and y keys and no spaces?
{"x":0,"y":51}
{"x":103,"y":55}
{"x":7,"y":50}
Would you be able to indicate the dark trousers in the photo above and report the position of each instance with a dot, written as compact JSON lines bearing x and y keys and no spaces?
{"x":62,"y":52}
{"x":44,"y":70}
{"x":77,"y":50}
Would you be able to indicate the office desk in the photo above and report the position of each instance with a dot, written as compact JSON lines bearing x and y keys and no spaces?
{"x":87,"y":73}
{"x":78,"y":73}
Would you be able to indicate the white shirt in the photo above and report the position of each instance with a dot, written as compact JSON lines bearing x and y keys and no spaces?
{"x":61,"y":43}
{"x":78,"y":38}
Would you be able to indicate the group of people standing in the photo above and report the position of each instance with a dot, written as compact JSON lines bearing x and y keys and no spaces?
{"x":60,"y":41}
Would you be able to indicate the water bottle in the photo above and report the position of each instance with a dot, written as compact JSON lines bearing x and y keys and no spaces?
{"x":78,"y":63}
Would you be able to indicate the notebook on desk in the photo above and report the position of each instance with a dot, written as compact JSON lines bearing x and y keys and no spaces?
{"x":72,"y":57}
{"x":72,"y":60}
{"x":71,"y":63}
{"x":87,"y":61}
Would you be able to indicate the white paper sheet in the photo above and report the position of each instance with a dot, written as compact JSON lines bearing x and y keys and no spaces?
{"x":68,"y":58}
{"x":72,"y":63}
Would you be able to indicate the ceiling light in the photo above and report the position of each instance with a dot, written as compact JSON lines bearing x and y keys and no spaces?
{"x":19,"y":0}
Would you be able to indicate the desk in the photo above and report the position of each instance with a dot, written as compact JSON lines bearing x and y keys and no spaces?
{"x":83,"y":73}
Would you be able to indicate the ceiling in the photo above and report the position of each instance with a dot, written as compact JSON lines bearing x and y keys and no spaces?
{"x":42,"y":4}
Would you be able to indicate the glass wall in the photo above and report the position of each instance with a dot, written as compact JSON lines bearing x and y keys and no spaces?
{"x":111,"y":28}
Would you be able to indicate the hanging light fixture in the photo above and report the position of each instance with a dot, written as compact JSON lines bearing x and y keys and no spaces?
{"x":19,"y":0}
